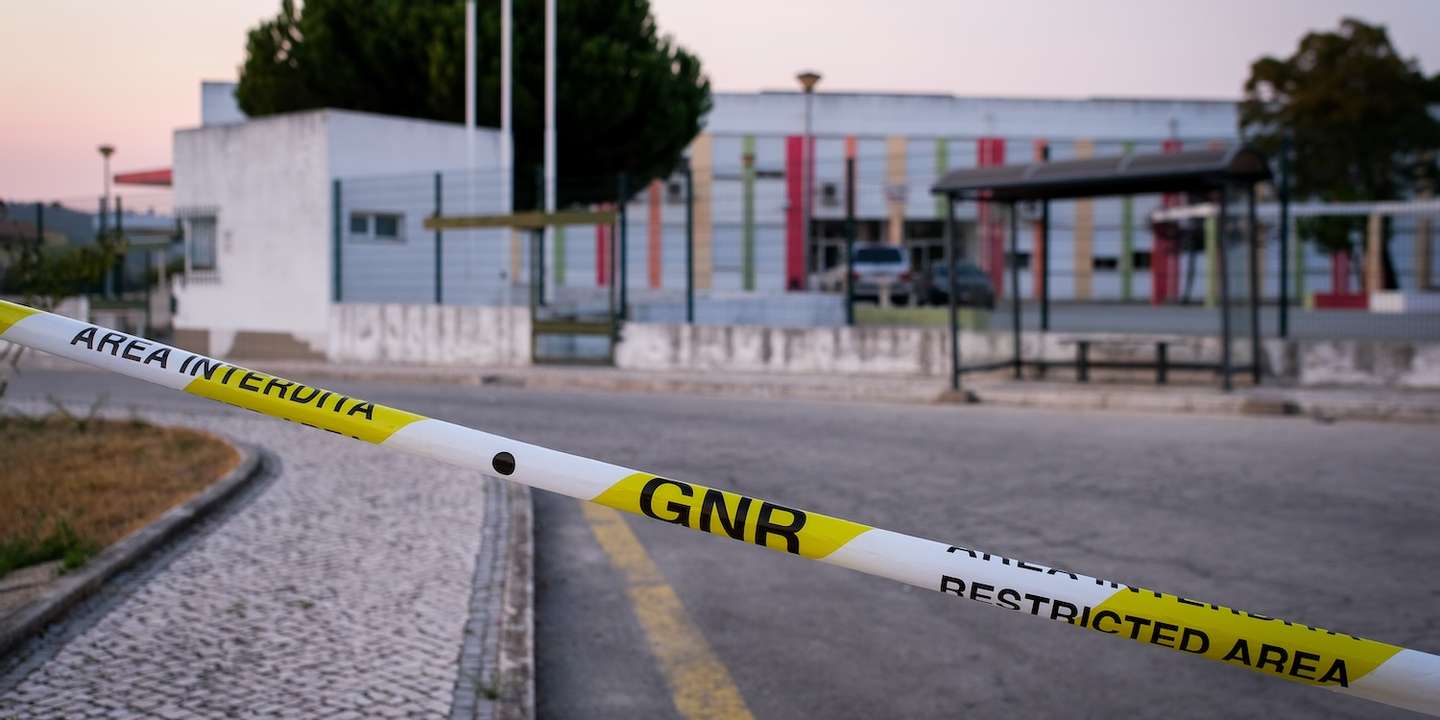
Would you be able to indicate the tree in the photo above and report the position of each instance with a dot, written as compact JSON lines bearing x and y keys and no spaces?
{"x":1358,"y":119}
{"x":630,"y":101}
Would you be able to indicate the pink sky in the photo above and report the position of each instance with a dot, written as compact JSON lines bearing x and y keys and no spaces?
{"x":78,"y":73}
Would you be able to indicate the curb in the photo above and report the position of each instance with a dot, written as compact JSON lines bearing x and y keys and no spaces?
{"x":516,"y":661}
{"x":73,"y":587}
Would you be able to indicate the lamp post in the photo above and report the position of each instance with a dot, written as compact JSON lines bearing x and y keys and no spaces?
{"x":105,"y":152}
{"x":808,"y":79}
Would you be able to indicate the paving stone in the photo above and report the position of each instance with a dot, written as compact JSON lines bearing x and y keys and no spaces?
{"x":341,"y":590}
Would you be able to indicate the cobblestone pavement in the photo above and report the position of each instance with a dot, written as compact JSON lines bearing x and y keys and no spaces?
{"x":339,"y":589}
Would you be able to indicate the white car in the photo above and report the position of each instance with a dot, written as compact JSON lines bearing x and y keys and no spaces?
{"x":877,"y":268}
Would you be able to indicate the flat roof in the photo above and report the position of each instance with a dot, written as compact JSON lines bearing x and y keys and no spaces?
{"x":1131,"y":174}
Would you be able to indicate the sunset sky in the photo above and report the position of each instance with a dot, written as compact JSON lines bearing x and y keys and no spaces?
{"x":77,"y":73}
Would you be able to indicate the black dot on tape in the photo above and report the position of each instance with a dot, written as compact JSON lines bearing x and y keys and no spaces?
{"x":504,"y":463}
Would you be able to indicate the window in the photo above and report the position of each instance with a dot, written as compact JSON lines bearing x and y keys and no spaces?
{"x":202,"y":242}
{"x":829,"y":195}
{"x":674,"y":192}
{"x":1140,"y":260}
{"x":1100,"y":262}
{"x":1018,"y":260}
{"x":879,"y":255}
{"x":386,"y":227}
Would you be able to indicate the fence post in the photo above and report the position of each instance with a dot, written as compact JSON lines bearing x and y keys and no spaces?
{"x":439,"y":244}
{"x":120,"y":255}
{"x":689,"y":241}
{"x":1284,"y":318}
{"x":39,"y":225}
{"x":850,"y":239}
{"x":621,"y":251}
{"x":537,"y":248}
{"x":338,"y":231}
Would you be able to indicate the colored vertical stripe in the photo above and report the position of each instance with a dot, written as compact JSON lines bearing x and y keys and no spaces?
{"x":1165,"y":256}
{"x":1212,"y":278}
{"x":991,"y":152}
{"x":653,"y":233}
{"x":1038,"y":230}
{"x":702,"y":170}
{"x":1084,"y":233}
{"x":895,"y":176}
{"x":794,"y":213}
{"x":747,"y":212}
{"x":517,"y":256}
{"x":559,"y":256}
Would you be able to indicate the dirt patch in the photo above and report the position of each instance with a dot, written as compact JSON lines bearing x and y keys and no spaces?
{"x":72,"y":486}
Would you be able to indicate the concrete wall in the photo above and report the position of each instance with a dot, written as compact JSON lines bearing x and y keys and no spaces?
{"x":1367,"y":363}
{"x":429,"y":335}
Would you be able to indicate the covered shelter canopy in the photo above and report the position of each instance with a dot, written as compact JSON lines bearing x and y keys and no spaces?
{"x":1177,"y":172}
{"x":1217,"y":171}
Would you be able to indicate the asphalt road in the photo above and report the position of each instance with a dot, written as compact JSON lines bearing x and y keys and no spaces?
{"x":1328,"y":524}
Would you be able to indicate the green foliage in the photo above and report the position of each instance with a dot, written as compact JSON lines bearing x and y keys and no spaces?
{"x":629,"y":100}
{"x":34,"y":546}
{"x":1356,"y":115}
{"x":42,"y":276}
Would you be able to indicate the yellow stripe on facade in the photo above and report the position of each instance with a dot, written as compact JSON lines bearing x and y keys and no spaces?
{"x":702,"y":164}
{"x":10,"y":313}
{"x":700,"y":685}
{"x":1084,"y":233}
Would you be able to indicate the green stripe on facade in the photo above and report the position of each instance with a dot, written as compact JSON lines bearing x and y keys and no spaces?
{"x":942,"y":163}
{"x":559,"y":256}
{"x":1212,"y":281}
{"x":747,"y":232}
{"x":1127,"y":241}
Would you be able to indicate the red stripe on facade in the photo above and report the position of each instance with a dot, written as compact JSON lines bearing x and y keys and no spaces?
{"x":1165,"y":253}
{"x":794,"y":213}
{"x":1037,"y":236}
{"x":991,"y":151}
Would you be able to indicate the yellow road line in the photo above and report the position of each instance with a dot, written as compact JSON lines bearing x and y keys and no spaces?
{"x":699,"y":683}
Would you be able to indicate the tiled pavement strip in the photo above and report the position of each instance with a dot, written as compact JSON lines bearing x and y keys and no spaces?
{"x":340,"y":587}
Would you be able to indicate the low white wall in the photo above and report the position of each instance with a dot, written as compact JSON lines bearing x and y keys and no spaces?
{"x":1368,"y":363}
{"x":923,"y":352}
{"x":429,"y":335}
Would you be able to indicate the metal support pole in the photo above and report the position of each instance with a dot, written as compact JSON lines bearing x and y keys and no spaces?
{"x":102,"y":234}
{"x":849,"y":240}
{"x":1284,"y":315}
{"x":120,"y":254}
{"x":39,"y":226}
{"x":689,"y":242}
{"x":439,"y":244}
{"x":1015,"y":295}
{"x":952,"y":260}
{"x":1253,"y":241}
{"x":537,"y":249}
{"x":1222,"y":269}
{"x":621,"y":251}
{"x":338,"y":231}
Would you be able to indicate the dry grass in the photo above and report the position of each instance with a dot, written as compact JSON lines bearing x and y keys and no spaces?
{"x":69,"y":487}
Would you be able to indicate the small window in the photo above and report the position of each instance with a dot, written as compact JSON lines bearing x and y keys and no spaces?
{"x":1105,"y":263}
{"x":829,"y":194}
{"x":385,"y":227}
{"x":674,"y":192}
{"x":202,"y":242}
{"x":1019,"y":261}
{"x":1140,"y":260}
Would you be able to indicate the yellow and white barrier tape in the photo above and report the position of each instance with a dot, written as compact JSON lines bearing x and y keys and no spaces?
{"x":1301,"y":653}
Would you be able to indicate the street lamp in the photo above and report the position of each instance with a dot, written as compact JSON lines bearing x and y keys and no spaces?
{"x":105,"y":152}
{"x":808,"y":80}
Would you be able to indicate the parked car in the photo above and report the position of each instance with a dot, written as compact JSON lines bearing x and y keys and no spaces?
{"x":973,"y":287}
{"x":876,"y":267}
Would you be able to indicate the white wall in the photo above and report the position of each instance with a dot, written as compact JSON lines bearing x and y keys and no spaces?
{"x":267,"y":182}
